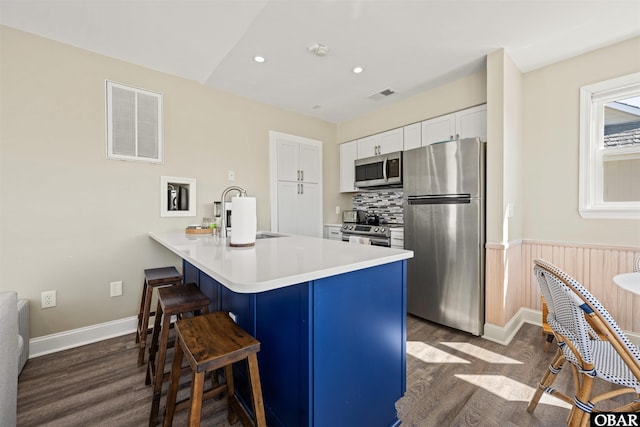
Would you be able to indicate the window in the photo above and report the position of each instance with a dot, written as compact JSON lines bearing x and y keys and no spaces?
{"x":610,"y":149}
{"x":134,"y":124}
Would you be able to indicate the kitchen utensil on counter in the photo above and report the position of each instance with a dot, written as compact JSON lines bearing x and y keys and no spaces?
{"x":244,"y":221}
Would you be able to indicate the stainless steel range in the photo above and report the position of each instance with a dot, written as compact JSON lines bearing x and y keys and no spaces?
{"x":379,"y":235}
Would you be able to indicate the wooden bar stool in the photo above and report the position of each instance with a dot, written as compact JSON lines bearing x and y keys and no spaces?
{"x":177,"y":300}
{"x":211,"y":342}
{"x":153,"y":278}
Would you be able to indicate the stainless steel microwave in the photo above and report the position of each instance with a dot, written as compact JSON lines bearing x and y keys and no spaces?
{"x":379,"y":171}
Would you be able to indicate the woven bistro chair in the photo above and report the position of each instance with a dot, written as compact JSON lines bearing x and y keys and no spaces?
{"x":589,"y":338}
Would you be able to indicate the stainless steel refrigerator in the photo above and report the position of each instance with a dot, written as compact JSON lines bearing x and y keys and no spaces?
{"x":444,"y":220}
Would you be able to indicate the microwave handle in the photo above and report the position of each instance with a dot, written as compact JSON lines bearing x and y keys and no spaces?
{"x":384,"y":168}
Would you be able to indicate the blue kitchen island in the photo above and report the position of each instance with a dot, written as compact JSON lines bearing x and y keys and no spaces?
{"x":330,"y":317}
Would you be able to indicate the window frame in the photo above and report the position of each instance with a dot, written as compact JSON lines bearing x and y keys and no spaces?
{"x":592,"y":152}
{"x":109,"y":124}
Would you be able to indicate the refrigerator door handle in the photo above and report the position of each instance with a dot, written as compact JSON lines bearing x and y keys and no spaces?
{"x":443,"y":199}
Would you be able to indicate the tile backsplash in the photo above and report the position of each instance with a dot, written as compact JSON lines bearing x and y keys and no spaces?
{"x":387,"y":204}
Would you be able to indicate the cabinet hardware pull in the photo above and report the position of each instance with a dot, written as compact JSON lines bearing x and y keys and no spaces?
{"x":301,"y":188}
{"x":302,"y":175}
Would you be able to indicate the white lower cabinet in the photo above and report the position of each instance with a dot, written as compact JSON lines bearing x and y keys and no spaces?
{"x":332,"y":232}
{"x":397,"y":237}
{"x":299,"y":208}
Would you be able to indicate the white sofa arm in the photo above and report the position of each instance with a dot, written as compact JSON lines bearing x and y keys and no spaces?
{"x":23,"y":330}
{"x":8,"y":358}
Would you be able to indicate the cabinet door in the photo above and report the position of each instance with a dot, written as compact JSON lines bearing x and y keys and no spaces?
{"x":288,"y":160}
{"x":332,"y":232}
{"x":368,"y":147}
{"x":348,"y":154}
{"x":391,"y":140}
{"x":288,"y":195}
{"x":412,"y":136}
{"x":472,"y":122}
{"x":309,"y":162}
{"x":439,"y":129}
{"x":310,"y":210}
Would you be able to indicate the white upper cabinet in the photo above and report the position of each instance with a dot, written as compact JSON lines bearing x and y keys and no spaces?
{"x":392,"y":140}
{"x":298,"y":161}
{"x":412,"y":136}
{"x":467,"y":123}
{"x":381,"y":143}
{"x":439,"y":129}
{"x":368,"y":146}
{"x":348,"y":155}
{"x":472,"y":122}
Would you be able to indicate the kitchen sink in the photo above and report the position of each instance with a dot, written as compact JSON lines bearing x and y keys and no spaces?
{"x":263,"y":235}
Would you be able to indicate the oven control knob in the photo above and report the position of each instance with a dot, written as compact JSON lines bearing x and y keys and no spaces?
{"x":375,"y":229}
{"x":382,"y":229}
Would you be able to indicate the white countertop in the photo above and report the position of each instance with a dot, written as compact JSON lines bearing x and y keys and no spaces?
{"x":274,"y":262}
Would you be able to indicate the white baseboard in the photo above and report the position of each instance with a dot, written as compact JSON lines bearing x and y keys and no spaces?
{"x":504,"y":334}
{"x":102,"y":331}
{"x":77,"y":337}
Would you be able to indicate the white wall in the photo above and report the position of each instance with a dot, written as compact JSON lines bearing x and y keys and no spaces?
{"x":73,"y":221}
{"x":504,"y":150}
{"x":551,"y":136}
{"x":458,"y":95}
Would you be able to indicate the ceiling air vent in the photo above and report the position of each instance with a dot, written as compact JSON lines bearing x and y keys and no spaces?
{"x":382,"y":94}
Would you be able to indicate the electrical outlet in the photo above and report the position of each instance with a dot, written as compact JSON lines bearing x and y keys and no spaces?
{"x":116,"y":288}
{"x":337,"y":210}
{"x":231,"y":175}
{"x":48,"y":299}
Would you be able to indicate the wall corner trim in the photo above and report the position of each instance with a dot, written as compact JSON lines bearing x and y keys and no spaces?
{"x":78,"y":337}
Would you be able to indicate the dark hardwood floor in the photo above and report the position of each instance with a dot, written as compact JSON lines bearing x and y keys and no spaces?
{"x":453,"y":379}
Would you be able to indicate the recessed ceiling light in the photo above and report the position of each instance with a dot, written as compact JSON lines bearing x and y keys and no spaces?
{"x":358,"y":70}
{"x":258,"y":58}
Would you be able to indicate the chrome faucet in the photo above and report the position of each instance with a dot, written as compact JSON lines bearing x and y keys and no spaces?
{"x":241,"y":192}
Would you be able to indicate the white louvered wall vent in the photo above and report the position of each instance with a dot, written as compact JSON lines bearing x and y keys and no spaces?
{"x":134,"y":124}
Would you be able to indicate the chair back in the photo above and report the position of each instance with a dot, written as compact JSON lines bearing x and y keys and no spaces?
{"x":579,"y":318}
{"x":636,"y":266}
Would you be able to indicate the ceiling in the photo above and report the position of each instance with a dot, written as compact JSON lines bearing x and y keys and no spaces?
{"x":404,"y":45}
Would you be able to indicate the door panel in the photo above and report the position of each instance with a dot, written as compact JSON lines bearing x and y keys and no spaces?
{"x":288,"y":163}
{"x":444,"y":279}
{"x":439,"y":129}
{"x":288,"y":207}
{"x":310,"y":211}
{"x":309,"y":164}
{"x":448,"y":168}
